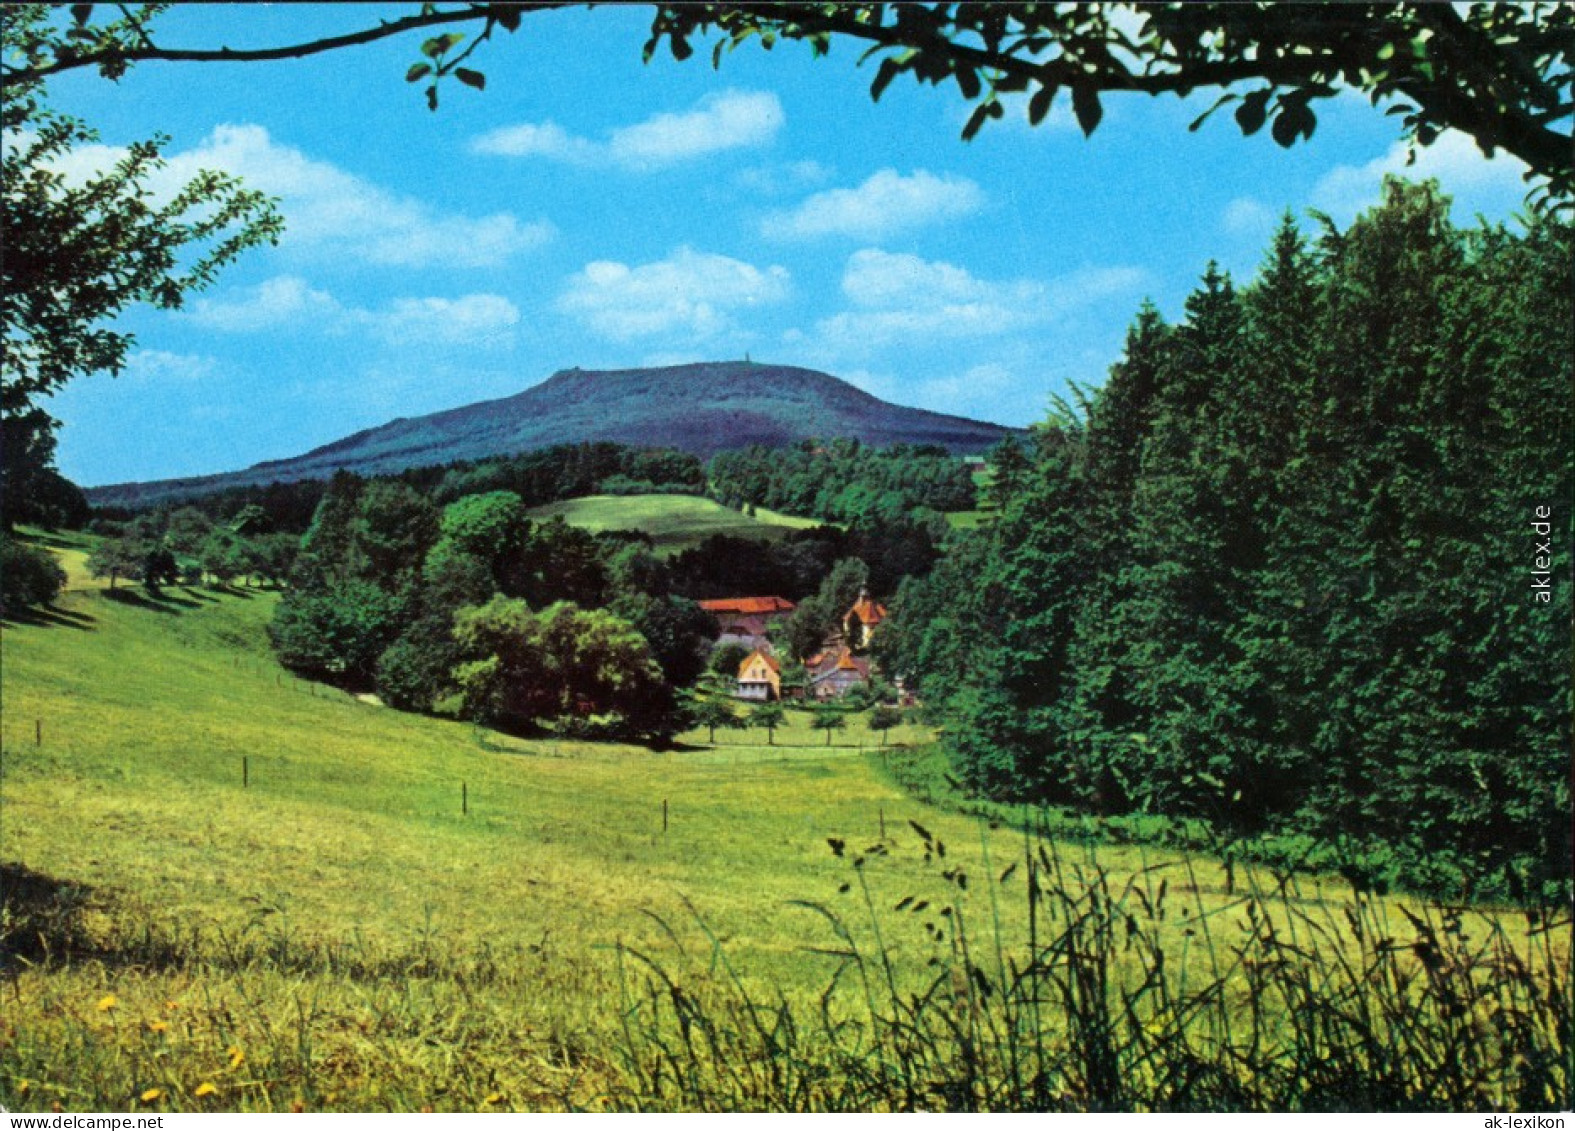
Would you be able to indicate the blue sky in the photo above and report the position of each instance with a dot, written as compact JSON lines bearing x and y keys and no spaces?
{"x":588,"y":210}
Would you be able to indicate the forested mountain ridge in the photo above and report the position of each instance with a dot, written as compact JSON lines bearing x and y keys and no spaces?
{"x":702,"y":408}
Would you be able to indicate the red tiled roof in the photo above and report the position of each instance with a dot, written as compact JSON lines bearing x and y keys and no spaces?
{"x":869,"y":612}
{"x":745,"y":605}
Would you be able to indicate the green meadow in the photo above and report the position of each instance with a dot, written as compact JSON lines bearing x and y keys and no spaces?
{"x":674,"y":522}
{"x":228,"y":889}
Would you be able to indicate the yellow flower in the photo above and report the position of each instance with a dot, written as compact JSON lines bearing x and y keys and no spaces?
{"x":151,"y":1094}
{"x":24,"y":1087}
{"x":205,"y":1089}
{"x":236,"y":1056}
{"x":172,"y":1006}
{"x":495,"y":1098}
{"x":158,"y":1026}
{"x":107,"y":1003}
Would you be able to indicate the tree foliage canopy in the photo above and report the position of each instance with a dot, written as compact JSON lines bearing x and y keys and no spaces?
{"x":80,"y":251}
{"x":1282,"y":575}
{"x":1498,"y":72}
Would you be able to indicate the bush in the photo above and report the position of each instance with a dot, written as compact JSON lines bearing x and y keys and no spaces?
{"x":416,"y":670}
{"x":29,"y":577}
{"x":336,"y":633}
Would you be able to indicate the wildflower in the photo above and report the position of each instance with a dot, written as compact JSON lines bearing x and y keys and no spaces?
{"x":107,"y":1003}
{"x":495,"y":1098}
{"x":205,"y":1089}
{"x":171,"y":1006}
{"x":23,"y":1087}
{"x":158,"y":1026}
{"x":151,"y":1095}
{"x":237,"y":1057}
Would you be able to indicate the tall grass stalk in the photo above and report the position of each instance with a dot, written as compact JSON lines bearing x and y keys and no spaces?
{"x":1117,"y":997}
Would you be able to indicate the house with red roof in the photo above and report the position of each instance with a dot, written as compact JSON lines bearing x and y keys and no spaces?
{"x":747,"y":620}
{"x":859,"y":622}
{"x":834,"y":671}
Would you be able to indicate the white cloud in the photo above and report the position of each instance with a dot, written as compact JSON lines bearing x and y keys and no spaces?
{"x":529,"y":139}
{"x":164,"y":365}
{"x":1245,"y":216}
{"x":1453,"y":160}
{"x":967,"y":392}
{"x":789,"y":177}
{"x":337,"y":213}
{"x":284,"y":300}
{"x":901,"y":297}
{"x":468,"y":320}
{"x":289,"y":302}
{"x":885,"y":203}
{"x":731,"y":119}
{"x":691,"y":292}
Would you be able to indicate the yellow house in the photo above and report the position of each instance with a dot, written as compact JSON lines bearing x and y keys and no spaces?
{"x":858,"y":623}
{"x":760,"y":676}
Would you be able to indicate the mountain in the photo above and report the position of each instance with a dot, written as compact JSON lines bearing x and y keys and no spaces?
{"x":703,"y":408}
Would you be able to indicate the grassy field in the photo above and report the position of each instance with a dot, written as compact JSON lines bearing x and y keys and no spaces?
{"x":71,"y":548}
{"x":985,"y":511}
{"x":674,"y":522}
{"x":228,"y":889}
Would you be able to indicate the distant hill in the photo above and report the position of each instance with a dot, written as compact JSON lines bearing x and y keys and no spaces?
{"x":703,"y":408}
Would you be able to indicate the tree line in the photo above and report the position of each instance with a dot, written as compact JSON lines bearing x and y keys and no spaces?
{"x":1278,"y":573}
{"x":842,"y":480}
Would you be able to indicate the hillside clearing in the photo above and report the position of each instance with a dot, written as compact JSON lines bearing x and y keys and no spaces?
{"x":674,"y":522}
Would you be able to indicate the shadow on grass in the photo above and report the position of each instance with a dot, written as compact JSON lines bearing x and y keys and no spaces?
{"x":44,"y":922}
{"x":50,"y":617}
{"x":40,"y":917}
{"x":143,"y":600}
{"x":54,"y":541}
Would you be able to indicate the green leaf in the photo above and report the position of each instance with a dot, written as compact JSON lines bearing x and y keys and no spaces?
{"x":968,"y":82}
{"x":440,"y":44}
{"x":1252,"y":112}
{"x":471,"y":78}
{"x":1293,"y":121}
{"x":1085,"y":104}
{"x":888,"y":70}
{"x":418,"y":72}
{"x":976,"y":120}
{"x":1039,"y":105}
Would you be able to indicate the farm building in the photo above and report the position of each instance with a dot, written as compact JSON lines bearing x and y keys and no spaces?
{"x":746,"y":620}
{"x":835,"y":671}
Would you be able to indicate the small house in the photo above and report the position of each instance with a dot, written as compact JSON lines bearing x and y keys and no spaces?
{"x":760,"y":676}
{"x":858,"y":623}
{"x":835,"y":671}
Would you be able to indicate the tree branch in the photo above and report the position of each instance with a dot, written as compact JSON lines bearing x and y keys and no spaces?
{"x":148,"y":51}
